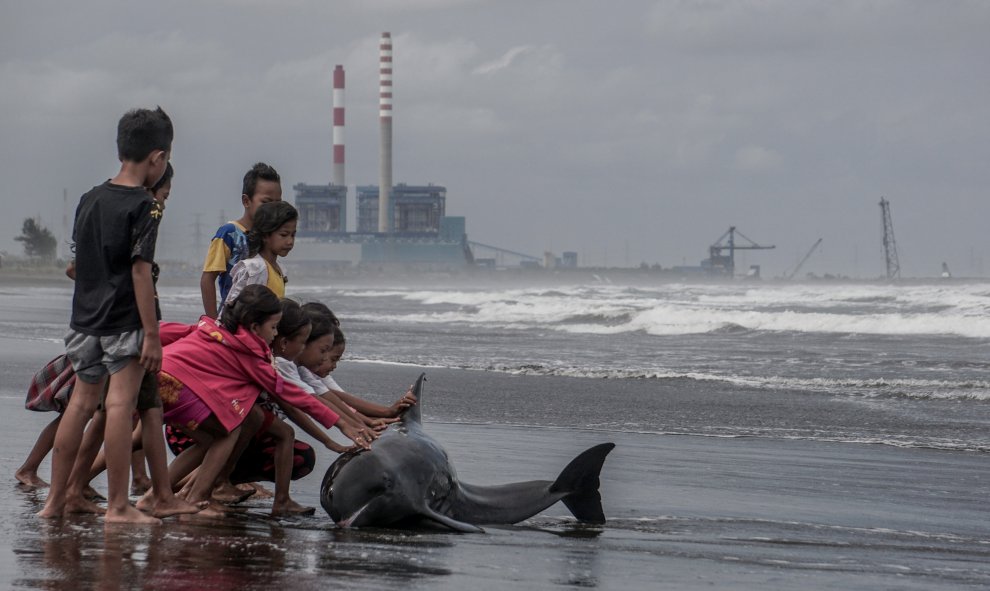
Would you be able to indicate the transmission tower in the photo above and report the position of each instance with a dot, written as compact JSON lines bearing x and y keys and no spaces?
{"x":889,"y":244}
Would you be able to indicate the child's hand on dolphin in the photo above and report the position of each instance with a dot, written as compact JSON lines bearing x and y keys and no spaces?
{"x":379,"y":425}
{"x":408,"y":399}
{"x":361,"y":436}
{"x":338,"y":448}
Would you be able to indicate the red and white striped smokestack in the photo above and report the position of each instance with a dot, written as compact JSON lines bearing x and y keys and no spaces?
{"x":385,"y":125}
{"x":338,"y":125}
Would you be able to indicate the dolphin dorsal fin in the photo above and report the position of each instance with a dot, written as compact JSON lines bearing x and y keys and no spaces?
{"x":413,"y":414}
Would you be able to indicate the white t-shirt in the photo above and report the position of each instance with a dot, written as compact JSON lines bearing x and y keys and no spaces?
{"x":318,"y":384}
{"x":290,"y":373}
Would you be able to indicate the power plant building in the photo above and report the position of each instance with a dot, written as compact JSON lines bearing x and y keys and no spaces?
{"x":410,"y":227}
{"x":322,"y":210}
{"x":414,"y":209}
{"x":422,"y":234}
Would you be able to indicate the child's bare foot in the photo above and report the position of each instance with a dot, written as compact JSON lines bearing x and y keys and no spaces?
{"x":212,"y":510}
{"x":177,"y":506}
{"x":92,"y":494}
{"x":50,"y":512}
{"x":228,"y":493}
{"x":290,"y":507}
{"x":262,"y":492}
{"x":184,"y":491}
{"x":30,"y":478}
{"x":82,"y":505}
{"x":130,"y":515}
{"x":140,"y":485}
{"x":146,"y":503}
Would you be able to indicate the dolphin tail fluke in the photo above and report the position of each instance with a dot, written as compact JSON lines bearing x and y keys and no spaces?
{"x":580,"y":482}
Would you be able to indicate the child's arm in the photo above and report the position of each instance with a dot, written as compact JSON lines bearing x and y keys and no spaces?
{"x":214,"y":266}
{"x":376,"y":410}
{"x":349,"y":414}
{"x":208,"y":288}
{"x":291,"y":374}
{"x":144,"y":296}
{"x":306,"y":424}
{"x":331,"y":399}
{"x":290,"y":394}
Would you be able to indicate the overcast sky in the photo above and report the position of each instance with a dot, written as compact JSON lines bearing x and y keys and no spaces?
{"x":627,"y":131}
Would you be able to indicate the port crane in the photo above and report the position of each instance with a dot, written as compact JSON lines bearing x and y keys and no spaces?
{"x":811,"y":251}
{"x":720,"y":264}
{"x":889,"y":244}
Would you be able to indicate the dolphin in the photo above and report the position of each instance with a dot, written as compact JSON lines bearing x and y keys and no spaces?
{"x":406,"y":480}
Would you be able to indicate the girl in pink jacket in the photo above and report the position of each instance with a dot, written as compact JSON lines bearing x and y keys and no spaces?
{"x":211,"y":378}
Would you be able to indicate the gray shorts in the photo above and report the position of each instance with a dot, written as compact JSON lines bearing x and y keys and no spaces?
{"x":93,"y":357}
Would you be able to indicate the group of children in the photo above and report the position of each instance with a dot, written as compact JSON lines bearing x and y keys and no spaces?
{"x":224,"y":389}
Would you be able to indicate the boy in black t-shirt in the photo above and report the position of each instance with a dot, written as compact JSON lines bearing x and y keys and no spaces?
{"x":114,"y":329}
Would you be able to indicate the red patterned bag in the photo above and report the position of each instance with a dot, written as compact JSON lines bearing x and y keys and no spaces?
{"x":51,"y":387}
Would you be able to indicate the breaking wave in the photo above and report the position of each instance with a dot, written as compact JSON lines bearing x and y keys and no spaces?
{"x":959,"y":310}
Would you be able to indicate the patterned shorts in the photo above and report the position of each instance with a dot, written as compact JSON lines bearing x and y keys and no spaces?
{"x":183,"y":409}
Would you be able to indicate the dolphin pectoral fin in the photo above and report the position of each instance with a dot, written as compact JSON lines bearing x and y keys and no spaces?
{"x":580,"y":481}
{"x":450,"y":522}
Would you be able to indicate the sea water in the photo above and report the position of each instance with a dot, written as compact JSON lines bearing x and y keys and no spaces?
{"x":913,"y":358}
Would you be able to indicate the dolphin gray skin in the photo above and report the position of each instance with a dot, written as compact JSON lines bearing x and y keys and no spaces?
{"x":406,"y":480}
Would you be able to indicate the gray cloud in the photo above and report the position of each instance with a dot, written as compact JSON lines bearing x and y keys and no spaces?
{"x":644,"y":128}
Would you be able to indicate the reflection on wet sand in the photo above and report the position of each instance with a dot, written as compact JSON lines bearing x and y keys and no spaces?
{"x":244,"y":551}
{"x":81,"y":553}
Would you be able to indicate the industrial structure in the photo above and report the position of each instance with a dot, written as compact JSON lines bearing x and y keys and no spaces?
{"x":338,"y":128}
{"x":811,"y":251}
{"x":721,"y":264}
{"x":415,"y":209}
{"x":889,"y":244}
{"x":396,"y":223}
{"x":322,"y":210}
{"x":385,"y":135}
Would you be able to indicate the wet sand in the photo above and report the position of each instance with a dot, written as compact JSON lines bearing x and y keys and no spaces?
{"x":684,"y":512}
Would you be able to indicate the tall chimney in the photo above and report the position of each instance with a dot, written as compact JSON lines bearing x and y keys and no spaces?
{"x":385,"y":121}
{"x":338,"y":126}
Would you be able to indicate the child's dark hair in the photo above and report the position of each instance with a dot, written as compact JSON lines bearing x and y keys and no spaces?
{"x":166,"y":178}
{"x":253,"y":305}
{"x":142,"y":131}
{"x":321,"y":308}
{"x":267,"y":220}
{"x":259,"y":171}
{"x":317,"y":308}
{"x":323,"y":320}
{"x":293,"y":319}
